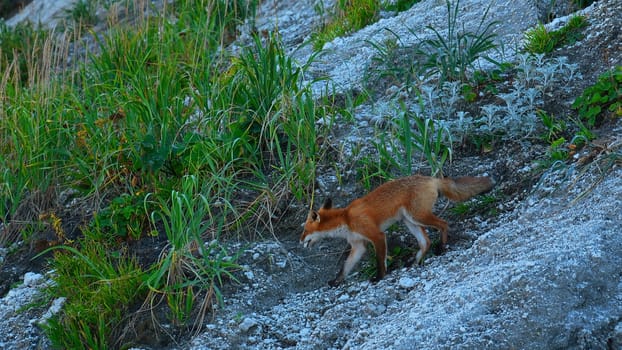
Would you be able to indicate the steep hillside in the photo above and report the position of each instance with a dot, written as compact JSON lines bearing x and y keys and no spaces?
{"x":534,"y":264}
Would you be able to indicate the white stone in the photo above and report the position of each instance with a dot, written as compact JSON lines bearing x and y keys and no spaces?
{"x":32,"y":279}
{"x":406,"y":282}
{"x":247,"y":324}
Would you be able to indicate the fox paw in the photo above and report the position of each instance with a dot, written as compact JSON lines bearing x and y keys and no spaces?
{"x":334,"y":283}
{"x":376,"y":278}
{"x":440,"y":249}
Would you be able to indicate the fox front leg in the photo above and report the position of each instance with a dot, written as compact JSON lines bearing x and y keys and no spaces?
{"x":357,"y":249}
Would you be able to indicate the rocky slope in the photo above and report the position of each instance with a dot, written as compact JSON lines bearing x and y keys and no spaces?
{"x":543,"y":273}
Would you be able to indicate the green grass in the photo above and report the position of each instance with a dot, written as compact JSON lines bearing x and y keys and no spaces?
{"x":189,"y":271}
{"x":346,"y":17}
{"x":99,"y":284}
{"x":21,"y":50}
{"x":82,"y":14}
{"x":399,"y":5}
{"x":160,"y":133}
{"x":451,"y":55}
{"x":541,"y":40}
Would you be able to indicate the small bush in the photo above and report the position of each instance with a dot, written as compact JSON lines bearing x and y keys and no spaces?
{"x":605,"y":95}
{"x":124,"y":218}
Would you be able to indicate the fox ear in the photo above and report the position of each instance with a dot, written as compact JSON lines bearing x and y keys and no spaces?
{"x":314,"y":216}
{"x":328,"y":203}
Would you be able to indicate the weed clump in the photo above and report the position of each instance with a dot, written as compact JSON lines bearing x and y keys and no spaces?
{"x":540,"y":40}
{"x":604,"y":96}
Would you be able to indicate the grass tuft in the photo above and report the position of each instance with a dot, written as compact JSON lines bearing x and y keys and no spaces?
{"x":99,"y":283}
{"x":346,"y":17}
{"x":540,"y":40}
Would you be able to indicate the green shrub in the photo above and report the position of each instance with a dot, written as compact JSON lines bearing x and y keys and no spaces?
{"x":124,"y":218}
{"x":604,"y":96}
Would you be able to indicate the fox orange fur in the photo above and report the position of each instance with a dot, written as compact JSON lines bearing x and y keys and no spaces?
{"x":408,"y":199}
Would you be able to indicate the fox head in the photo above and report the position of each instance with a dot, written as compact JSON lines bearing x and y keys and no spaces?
{"x":311,"y":233}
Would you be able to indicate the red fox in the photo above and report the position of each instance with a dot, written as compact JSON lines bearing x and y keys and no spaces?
{"x":408,"y":199}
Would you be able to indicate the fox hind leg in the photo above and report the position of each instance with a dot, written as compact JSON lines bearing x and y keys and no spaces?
{"x":380,"y":245}
{"x":436,"y":222}
{"x":422,"y":238}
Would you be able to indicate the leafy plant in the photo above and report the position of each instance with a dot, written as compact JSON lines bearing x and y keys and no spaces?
{"x":265,"y":78}
{"x":431,"y":142}
{"x":604,"y":95}
{"x":583,"y":135}
{"x":412,"y":136}
{"x":484,"y":83}
{"x":554,"y":127}
{"x":392,"y":64}
{"x":558,"y":150}
{"x":451,"y":55}
{"x":539,"y":40}
{"x":124,"y":218}
{"x":388,"y":162}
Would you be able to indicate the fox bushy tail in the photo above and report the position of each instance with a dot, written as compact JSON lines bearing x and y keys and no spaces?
{"x":463,"y":188}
